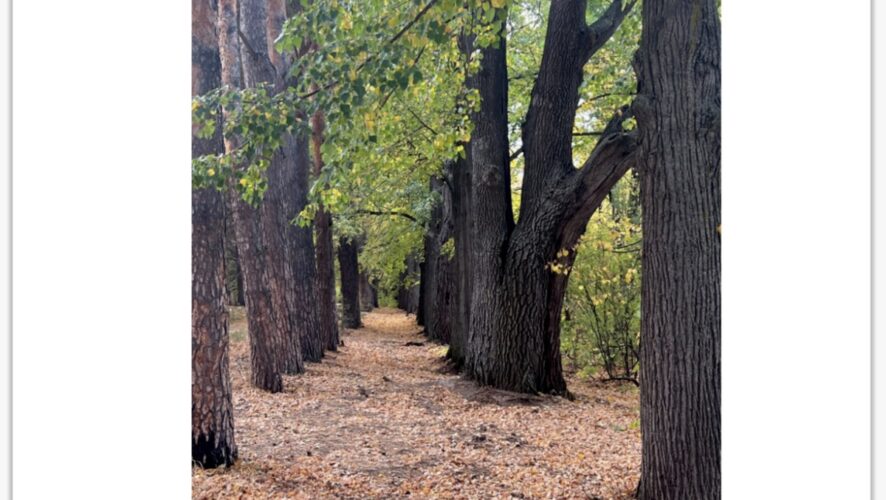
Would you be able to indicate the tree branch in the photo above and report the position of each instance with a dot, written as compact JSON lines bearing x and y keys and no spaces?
{"x":389,"y":212}
{"x":602,"y":29}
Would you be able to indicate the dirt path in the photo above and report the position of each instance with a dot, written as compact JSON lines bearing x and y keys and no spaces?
{"x":378,"y":419}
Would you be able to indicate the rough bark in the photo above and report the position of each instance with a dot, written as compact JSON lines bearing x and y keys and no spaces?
{"x":461,"y":208}
{"x":678,"y":114}
{"x":516,"y":299}
{"x":324,"y":249}
{"x":292,"y":164}
{"x":265,"y":304}
{"x":438,"y":274}
{"x":350,"y":283}
{"x":212,"y":412}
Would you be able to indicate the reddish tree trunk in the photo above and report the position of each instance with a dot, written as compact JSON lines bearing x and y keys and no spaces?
{"x":212,"y":413}
{"x":263,"y":281}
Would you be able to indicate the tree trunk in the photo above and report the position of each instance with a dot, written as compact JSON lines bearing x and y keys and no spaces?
{"x":437,"y":275}
{"x":366,"y":293}
{"x":350,"y":283}
{"x":325,"y":251}
{"x":423,"y":283}
{"x":233,"y":275}
{"x":461,"y":209}
{"x":262,"y":279}
{"x":212,"y":412}
{"x":293,"y":164}
{"x":678,"y":114}
{"x":517,"y":292}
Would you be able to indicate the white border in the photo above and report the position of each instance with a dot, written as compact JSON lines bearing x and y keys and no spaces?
{"x":101,"y":244}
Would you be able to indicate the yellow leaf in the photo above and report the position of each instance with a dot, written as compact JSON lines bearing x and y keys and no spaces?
{"x":498,"y":3}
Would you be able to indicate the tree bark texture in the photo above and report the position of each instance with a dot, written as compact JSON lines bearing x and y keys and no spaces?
{"x":325,"y":253}
{"x":263,"y":280}
{"x":350,"y":282}
{"x":461,"y":209}
{"x":212,"y":412}
{"x":291,"y":164}
{"x":678,"y":115}
{"x":516,"y":298}
{"x":438,"y":275}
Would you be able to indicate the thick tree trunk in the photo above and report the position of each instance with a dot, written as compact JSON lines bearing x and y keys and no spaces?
{"x":516,"y":294}
{"x":367,"y":293}
{"x":325,"y":251}
{"x":292,"y":164}
{"x":212,"y":412}
{"x":350,"y":283}
{"x":491,"y":215}
{"x":678,"y":113}
{"x":263,"y":281}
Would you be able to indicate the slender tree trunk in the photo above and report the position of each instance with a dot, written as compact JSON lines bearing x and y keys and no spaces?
{"x":265,"y":305}
{"x":461,"y":209}
{"x":325,"y":251}
{"x":678,"y":113}
{"x":437,"y":276}
{"x":212,"y":412}
{"x":366,"y":293}
{"x":350,"y":283}
{"x":233,"y":275}
{"x":423,"y":284}
{"x":293,"y":163}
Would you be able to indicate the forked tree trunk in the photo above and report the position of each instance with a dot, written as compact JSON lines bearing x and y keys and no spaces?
{"x":678,"y":114}
{"x":263,"y":284}
{"x":212,"y":412}
{"x":325,"y":251}
{"x":350,"y":283}
{"x":513,"y":340}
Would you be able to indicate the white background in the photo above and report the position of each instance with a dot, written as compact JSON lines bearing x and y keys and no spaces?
{"x":101,"y":244}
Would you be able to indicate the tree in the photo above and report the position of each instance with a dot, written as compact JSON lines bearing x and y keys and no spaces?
{"x":678,"y":114}
{"x":292,"y":165}
{"x":516,"y":297}
{"x":325,"y":252}
{"x":437,"y":287}
{"x":212,"y":412}
{"x":260,"y":260}
{"x":368,"y":299}
{"x":350,"y":282}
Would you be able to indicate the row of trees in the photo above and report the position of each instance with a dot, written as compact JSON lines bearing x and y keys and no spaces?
{"x":493,"y":282}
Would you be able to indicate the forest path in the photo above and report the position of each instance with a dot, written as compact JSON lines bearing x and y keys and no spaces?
{"x":381,"y":419}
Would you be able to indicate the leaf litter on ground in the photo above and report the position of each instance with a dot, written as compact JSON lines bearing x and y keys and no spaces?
{"x":384,"y":418}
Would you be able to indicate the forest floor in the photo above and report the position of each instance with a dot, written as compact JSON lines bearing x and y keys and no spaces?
{"x":383,"y":419}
